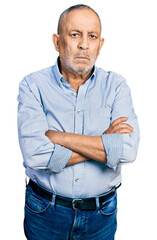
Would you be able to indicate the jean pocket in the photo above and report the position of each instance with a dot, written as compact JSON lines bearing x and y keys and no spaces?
{"x":35,"y":203}
{"x":109,"y":206}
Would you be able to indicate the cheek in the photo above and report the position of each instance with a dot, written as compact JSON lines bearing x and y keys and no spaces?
{"x":62,"y":47}
{"x":72,"y":48}
{"x":95,"y":52}
{"x":67,"y":50}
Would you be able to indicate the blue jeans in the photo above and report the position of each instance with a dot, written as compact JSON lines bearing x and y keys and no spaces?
{"x":46,"y":222}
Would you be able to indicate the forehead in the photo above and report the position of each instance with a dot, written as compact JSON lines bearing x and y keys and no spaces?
{"x":82,"y":20}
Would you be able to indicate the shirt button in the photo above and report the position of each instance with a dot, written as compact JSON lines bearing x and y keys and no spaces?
{"x":78,"y":111}
{"x":77,"y":179}
{"x":72,"y":93}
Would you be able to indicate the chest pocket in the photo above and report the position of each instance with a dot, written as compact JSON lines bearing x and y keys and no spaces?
{"x":96,"y":121}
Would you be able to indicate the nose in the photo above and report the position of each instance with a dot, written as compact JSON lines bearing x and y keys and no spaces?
{"x":83,"y":43}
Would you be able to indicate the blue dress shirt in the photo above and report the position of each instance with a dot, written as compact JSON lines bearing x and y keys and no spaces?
{"x":47,"y":102}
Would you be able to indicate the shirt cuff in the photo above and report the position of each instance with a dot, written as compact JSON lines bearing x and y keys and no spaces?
{"x":113,"y":145}
{"x":59,"y":159}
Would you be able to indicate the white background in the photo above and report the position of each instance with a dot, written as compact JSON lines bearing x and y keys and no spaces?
{"x":129,"y":28}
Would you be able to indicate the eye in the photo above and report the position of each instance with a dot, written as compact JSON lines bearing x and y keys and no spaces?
{"x":93,"y":36}
{"x":74,"y":35}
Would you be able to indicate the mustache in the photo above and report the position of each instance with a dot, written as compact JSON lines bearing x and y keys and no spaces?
{"x":82,"y":54}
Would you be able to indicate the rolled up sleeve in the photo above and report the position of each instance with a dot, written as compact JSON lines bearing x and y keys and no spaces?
{"x":122,"y":148}
{"x":37,"y":150}
{"x":59,"y":159}
{"x":113,"y":145}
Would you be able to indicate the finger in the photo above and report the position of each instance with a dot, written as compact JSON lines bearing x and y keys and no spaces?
{"x":119,"y":120}
{"x":122,"y":126}
{"x":124,"y":131}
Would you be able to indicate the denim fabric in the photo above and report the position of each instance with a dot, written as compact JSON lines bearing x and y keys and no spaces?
{"x":46,"y":222}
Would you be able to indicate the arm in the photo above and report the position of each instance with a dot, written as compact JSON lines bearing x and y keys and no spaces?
{"x":37,"y":150}
{"x":76,"y":158}
{"x":90,"y":147}
{"x":122,"y":148}
{"x":120,"y":140}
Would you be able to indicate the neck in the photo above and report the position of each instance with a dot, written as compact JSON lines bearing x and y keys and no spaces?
{"x":75,"y":79}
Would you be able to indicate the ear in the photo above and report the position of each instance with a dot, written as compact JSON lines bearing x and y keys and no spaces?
{"x":101,"y":44}
{"x":55,"y":39}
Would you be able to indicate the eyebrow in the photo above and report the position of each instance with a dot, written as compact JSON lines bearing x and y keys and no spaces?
{"x":74,"y":30}
{"x":92,"y":32}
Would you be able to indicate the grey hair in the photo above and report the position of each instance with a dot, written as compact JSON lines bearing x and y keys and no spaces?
{"x":68,"y":10}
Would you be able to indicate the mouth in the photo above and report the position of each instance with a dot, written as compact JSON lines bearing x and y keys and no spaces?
{"x":82,"y":58}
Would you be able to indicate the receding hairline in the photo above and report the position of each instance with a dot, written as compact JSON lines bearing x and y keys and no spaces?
{"x":70,"y":9}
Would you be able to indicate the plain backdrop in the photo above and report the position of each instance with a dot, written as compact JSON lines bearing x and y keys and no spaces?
{"x":129,"y":28}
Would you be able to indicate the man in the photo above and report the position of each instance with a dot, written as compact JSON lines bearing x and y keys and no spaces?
{"x":77,"y":126}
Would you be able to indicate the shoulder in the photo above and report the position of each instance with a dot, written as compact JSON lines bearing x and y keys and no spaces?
{"x":39,"y":76}
{"x":36,"y":81}
{"x":110,"y":77}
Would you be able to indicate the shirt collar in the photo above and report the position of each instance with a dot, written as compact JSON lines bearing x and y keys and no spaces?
{"x":60,"y":77}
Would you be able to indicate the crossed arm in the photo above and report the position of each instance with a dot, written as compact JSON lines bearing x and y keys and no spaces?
{"x":88,"y":147}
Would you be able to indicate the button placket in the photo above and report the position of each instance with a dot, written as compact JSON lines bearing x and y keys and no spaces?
{"x":79,"y":170}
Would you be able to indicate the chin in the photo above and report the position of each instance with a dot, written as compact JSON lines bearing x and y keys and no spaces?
{"x":83,"y":69}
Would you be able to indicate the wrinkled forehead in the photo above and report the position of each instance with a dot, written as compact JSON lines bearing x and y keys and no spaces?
{"x":81,"y":20}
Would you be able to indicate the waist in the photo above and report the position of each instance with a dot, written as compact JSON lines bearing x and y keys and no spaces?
{"x":77,"y":203}
{"x":82,"y":180}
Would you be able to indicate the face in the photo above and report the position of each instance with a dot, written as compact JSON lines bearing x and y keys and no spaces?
{"x":80,"y":42}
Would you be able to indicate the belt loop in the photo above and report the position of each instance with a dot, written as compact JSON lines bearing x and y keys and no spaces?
{"x":116,"y":187}
{"x":53,"y":201}
{"x":26,"y":181}
{"x":97,"y":203}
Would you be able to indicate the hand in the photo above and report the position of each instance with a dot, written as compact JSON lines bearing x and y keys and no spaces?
{"x":118,"y":126}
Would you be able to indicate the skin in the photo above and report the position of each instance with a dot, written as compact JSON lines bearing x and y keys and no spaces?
{"x":88,"y":147}
{"x":79,"y":45}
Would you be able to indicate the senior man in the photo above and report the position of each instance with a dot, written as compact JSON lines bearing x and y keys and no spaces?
{"x":77,"y":126}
